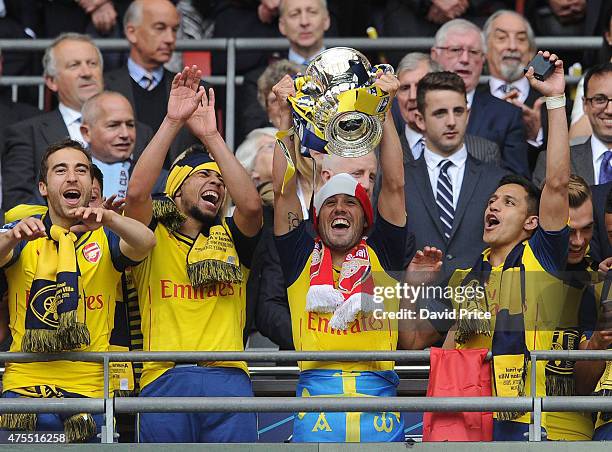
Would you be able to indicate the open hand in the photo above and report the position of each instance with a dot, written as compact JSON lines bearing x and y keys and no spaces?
{"x":554,"y":85}
{"x":203,"y":122}
{"x":424,"y":266}
{"x":185,"y":94}
{"x":114,"y":203}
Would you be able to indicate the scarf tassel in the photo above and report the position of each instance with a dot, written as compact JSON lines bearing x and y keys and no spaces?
{"x":41,"y":341}
{"x":80,"y":428}
{"x":323,"y":298}
{"x":560,"y":385}
{"x":166,"y":212}
{"x":18,"y":421}
{"x":212,"y":271}
{"x":513,"y":415}
{"x":347,"y":311}
{"x":470,"y":326}
{"x":72,"y":334}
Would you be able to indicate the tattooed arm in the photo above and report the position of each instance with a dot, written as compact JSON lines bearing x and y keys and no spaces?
{"x":287,"y":207}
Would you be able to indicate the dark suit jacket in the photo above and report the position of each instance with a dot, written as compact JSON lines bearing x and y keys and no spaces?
{"x":119,"y":80}
{"x":502,"y":123}
{"x":465,"y":244}
{"x":479,"y":148}
{"x":26,"y":143}
{"x":600,"y":245}
{"x":581,"y":164}
{"x":534,"y":151}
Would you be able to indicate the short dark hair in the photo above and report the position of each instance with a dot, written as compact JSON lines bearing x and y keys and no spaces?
{"x":609,"y":202}
{"x":533,"y":192}
{"x":578,"y":191}
{"x":96,"y":174}
{"x":599,"y":70}
{"x":438,"y":81}
{"x":53,"y":148}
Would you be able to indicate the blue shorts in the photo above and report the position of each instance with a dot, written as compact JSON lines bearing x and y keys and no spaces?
{"x":603,"y":432}
{"x":52,"y":422}
{"x":197,"y":381}
{"x":347,"y":427}
{"x":512,"y":431}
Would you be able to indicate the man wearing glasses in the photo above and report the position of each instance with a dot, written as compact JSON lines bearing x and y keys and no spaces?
{"x":459,"y":47}
{"x":592,"y":160}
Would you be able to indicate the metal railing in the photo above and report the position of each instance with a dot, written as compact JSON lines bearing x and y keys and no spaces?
{"x":233,"y":46}
{"x":109,"y":406}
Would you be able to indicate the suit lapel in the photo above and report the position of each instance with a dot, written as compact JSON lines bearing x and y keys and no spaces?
{"x":478,"y":103}
{"x":407,"y":152}
{"x":582,"y":160}
{"x":471,"y":176}
{"x":421,"y":179}
{"x":53,"y":128}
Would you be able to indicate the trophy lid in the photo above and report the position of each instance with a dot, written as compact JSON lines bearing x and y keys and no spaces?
{"x":339,"y":66}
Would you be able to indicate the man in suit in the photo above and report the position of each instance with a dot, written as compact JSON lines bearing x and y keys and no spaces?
{"x":150,"y":26}
{"x":510,"y":46}
{"x":459,"y":47}
{"x":303,"y":23}
{"x":72,"y":70}
{"x":447,"y":189}
{"x":410,"y":70}
{"x":600,"y":247}
{"x":110,"y":130}
{"x":591,"y":160}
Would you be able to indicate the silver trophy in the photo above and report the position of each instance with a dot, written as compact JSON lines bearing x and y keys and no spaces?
{"x":350,"y":128}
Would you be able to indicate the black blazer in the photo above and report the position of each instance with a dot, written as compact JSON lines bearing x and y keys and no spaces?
{"x":581,"y":164}
{"x":479,"y":148}
{"x":465,"y":244}
{"x":502,"y":123}
{"x":26,"y":143}
{"x":120,"y":81}
{"x":600,"y":247}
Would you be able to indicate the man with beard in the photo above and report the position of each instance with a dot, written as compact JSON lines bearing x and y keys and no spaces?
{"x":331,"y":281}
{"x":191,"y":288}
{"x":528,"y":242}
{"x":72,"y":249}
{"x":510,"y":47}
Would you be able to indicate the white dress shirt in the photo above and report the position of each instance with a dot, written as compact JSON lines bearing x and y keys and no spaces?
{"x":413,"y":137}
{"x":470,"y":97}
{"x":72,"y":119}
{"x":455,"y":171}
{"x":598,"y":148}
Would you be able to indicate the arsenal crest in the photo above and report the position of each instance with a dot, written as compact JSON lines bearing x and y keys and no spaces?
{"x":92,"y":252}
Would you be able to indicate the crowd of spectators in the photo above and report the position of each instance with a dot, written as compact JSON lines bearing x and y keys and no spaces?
{"x":465,"y":145}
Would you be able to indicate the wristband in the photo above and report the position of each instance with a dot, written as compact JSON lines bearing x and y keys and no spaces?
{"x":555,"y":102}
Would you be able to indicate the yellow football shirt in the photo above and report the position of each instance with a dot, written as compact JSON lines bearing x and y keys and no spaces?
{"x":178,"y":317}
{"x":100,"y":263}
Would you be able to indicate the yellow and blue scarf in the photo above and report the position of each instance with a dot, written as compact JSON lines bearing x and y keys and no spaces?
{"x":212,"y":258}
{"x":51,"y":321}
{"x":508,"y":347}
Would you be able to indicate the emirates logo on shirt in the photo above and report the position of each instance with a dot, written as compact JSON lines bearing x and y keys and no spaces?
{"x":92,"y":252}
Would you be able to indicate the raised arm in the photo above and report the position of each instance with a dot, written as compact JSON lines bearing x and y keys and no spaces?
{"x":287,"y":207}
{"x":391,"y":205}
{"x":554,"y":203}
{"x":203,"y":124}
{"x":185,"y":96}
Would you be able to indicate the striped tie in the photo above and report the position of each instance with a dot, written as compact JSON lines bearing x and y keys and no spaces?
{"x":444,"y":198}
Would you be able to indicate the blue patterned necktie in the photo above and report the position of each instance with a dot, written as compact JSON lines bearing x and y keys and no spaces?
{"x":444,"y":198}
{"x":605,"y":170}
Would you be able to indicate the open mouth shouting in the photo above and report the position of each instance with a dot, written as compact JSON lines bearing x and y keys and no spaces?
{"x":211,"y":198}
{"x":72,"y":197}
{"x":491,"y":222}
{"x":340,"y":224}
